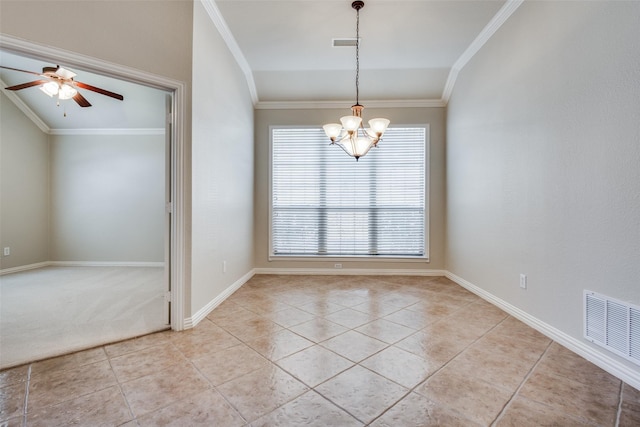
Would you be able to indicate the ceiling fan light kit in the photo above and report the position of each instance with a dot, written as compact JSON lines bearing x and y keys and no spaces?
{"x":351,"y":135}
{"x":60,"y":82}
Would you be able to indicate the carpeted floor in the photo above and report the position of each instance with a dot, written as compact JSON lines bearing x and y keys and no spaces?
{"x":55,"y":310}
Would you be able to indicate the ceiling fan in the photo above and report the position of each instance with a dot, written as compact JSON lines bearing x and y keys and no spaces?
{"x":59,"y":81}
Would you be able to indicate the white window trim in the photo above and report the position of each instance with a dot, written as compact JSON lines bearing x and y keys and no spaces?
{"x":361,"y":258}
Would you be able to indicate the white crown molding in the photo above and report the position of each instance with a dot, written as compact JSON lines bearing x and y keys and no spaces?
{"x":222,"y":27}
{"x":313,"y":105}
{"x":487,"y":32}
{"x":149,"y":131}
{"x":25,"y":108}
{"x":606,"y":362}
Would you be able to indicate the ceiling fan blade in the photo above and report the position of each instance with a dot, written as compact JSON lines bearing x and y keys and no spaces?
{"x":100,"y":91}
{"x":64,"y":73}
{"x":22,"y":71}
{"x":81,"y":100}
{"x":26,"y":85}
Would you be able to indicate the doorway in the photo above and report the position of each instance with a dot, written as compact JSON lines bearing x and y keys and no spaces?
{"x":108,"y":272}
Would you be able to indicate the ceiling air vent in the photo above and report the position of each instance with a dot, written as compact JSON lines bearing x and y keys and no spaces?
{"x":345,"y":42}
{"x":612,"y":324}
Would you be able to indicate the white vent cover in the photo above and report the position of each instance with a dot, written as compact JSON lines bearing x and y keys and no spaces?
{"x":613,"y":324}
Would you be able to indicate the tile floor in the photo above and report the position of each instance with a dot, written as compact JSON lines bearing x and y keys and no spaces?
{"x":327,"y":351}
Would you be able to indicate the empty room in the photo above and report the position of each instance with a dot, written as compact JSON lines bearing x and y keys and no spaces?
{"x":386,"y":213}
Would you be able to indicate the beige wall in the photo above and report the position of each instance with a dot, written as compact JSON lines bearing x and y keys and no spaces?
{"x":24,"y":188}
{"x":434,"y":117}
{"x":222,"y":166}
{"x":107,"y":198}
{"x":543,"y":156}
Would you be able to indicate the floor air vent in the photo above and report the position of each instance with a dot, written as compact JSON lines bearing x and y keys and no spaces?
{"x":613,"y":324}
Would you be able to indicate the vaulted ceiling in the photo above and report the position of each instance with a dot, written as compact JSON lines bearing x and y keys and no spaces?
{"x":410,"y":51}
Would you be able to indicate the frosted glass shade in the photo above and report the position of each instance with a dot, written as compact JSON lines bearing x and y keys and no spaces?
{"x":351,"y":123}
{"x":378,"y":126}
{"x":67,"y":92}
{"x":50,"y":88}
{"x":332,"y":130}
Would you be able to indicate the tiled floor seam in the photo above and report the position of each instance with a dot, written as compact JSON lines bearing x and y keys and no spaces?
{"x":26,"y":396}
{"x":124,"y":396}
{"x":522,"y":383}
{"x":221,"y":394}
{"x":620,"y":399}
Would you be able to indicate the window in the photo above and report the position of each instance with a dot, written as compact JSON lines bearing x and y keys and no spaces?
{"x":324,"y":203}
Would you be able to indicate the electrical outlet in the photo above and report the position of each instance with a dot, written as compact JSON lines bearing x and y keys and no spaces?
{"x":523,"y":281}
{"x":337,"y":265}
{"x":224,"y":266}
{"x":7,"y":251}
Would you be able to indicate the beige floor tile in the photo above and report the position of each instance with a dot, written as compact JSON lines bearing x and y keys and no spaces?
{"x":492,"y":366}
{"x":354,"y":345}
{"x":12,"y":401}
{"x":278,"y":345}
{"x":228,"y":364}
{"x":513,"y":347}
{"x":321,"y":308}
{"x":136,"y":344}
{"x":254,"y":328}
{"x":474,"y":398}
{"x":565,"y":363}
{"x":13,"y":422}
{"x":418,"y":411}
{"x":203,"y":409}
{"x":386,"y":331}
{"x":72,"y":360}
{"x":345,"y":298}
{"x":49,"y":389}
{"x":14,"y":375}
{"x":375,"y":308}
{"x":158,"y":390}
{"x":200,"y":345}
{"x":362,"y":393}
{"x":314,"y":365}
{"x":523,"y":412}
{"x":400,"y":366}
{"x":144,"y":362}
{"x":229,"y":312}
{"x":597,"y":401}
{"x":267,"y":307}
{"x":411,"y":319}
{"x":399,"y":299}
{"x":311,"y":410}
{"x":435,"y":346}
{"x":630,"y":407}
{"x":318,"y":330}
{"x":290,"y":317}
{"x":349,"y":318}
{"x":103,"y":408}
{"x":260,"y":392}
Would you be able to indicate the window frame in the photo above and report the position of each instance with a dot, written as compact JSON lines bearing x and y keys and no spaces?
{"x":349,"y":258}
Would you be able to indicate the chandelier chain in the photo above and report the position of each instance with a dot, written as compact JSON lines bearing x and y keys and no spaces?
{"x":357,"y":56}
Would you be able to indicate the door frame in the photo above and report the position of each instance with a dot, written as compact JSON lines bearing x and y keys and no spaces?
{"x":178,"y":170}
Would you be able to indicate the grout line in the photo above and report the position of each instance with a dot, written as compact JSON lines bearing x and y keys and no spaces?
{"x":620,"y":398}
{"x":26,"y":397}
{"x":526,"y":378}
{"x":124,"y":396}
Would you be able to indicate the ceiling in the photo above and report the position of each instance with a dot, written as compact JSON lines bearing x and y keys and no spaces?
{"x":407,"y":47}
{"x":143,"y":107}
{"x":408,"y":51}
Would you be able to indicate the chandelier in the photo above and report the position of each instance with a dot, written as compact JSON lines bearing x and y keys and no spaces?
{"x":351,"y":135}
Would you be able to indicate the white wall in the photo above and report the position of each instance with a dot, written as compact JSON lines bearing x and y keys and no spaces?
{"x":24,"y":188}
{"x":434,"y":117}
{"x":222,"y":166}
{"x":107,"y":198}
{"x":543,"y":156}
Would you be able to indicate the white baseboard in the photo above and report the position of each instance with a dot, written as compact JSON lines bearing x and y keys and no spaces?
{"x":349,"y":272}
{"x":24,"y":267}
{"x":105,"y":264}
{"x":614,"y":367}
{"x":192,"y":321}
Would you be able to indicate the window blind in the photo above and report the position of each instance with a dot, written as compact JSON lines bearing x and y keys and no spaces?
{"x":324,"y":203}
